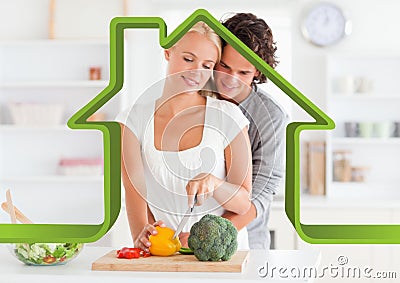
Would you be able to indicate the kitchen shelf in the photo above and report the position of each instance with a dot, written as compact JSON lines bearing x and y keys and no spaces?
{"x":55,"y":84}
{"x":53,"y":179}
{"x":16,"y":128}
{"x":56,"y":72}
{"x":355,"y":184}
{"x":54,"y":42}
{"x":367,"y":141}
{"x":39,"y":129}
{"x":363,"y":97}
{"x":379,"y":104}
{"x":383,"y":189}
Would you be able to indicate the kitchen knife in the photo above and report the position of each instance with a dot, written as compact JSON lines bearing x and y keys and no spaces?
{"x":183,"y":222}
{"x":184,"y":219}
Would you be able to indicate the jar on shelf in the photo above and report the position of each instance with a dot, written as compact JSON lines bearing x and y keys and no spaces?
{"x":358,"y":173}
{"x":366,"y":129}
{"x":396,"y":129}
{"x":341,"y":166}
{"x":352,"y":129}
{"x":95,"y":73}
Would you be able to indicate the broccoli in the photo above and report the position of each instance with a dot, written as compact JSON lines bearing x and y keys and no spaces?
{"x":213,"y":238}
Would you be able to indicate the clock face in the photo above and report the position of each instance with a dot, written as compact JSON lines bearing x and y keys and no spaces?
{"x":325,"y":24}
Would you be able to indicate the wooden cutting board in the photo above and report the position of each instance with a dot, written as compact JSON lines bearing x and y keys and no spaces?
{"x":177,"y":262}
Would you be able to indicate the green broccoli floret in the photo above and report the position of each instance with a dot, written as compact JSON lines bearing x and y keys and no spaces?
{"x":213,"y":238}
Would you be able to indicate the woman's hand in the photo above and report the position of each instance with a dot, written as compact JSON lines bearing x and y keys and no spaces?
{"x":183,"y":238}
{"x":142,"y":240}
{"x":202,"y":186}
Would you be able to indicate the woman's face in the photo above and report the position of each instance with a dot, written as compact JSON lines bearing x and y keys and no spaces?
{"x":191,"y":61}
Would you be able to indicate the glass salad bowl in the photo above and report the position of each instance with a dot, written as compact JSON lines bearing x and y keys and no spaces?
{"x":46,"y":254}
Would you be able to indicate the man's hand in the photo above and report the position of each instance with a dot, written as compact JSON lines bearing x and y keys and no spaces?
{"x":183,"y":238}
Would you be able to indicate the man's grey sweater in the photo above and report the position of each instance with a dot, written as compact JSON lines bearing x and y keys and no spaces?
{"x":267,"y":137}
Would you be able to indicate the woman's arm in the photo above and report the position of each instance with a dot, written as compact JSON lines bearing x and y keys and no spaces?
{"x":234,"y":192}
{"x":135,"y":190}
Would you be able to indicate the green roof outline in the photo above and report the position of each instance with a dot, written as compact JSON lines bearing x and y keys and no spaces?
{"x":321,"y":234}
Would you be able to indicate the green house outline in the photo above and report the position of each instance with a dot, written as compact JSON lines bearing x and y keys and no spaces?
{"x":321,"y":234}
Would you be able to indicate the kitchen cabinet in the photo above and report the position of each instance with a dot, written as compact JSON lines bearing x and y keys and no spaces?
{"x":283,"y":234}
{"x":52,"y":73}
{"x":377,"y":257}
{"x":322,"y":210}
{"x":363,"y":98}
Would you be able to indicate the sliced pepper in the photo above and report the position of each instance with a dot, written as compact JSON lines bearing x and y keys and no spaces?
{"x":130,"y":253}
{"x":146,"y":254}
{"x":186,"y":251}
{"x":162,"y":243}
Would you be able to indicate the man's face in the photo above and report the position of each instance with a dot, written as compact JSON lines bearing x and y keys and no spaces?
{"x":234,"y":75}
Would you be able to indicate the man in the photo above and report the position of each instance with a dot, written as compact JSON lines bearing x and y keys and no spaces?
{"x":236,"y":80}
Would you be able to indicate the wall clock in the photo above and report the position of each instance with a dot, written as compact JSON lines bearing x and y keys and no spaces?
{"x":325,"y":24}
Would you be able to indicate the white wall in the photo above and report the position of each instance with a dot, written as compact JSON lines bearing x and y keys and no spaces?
{"x":145,"y":51}
{"x":375,"y":28}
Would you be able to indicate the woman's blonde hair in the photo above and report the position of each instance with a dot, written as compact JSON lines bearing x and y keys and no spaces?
{"x":203,"y":29}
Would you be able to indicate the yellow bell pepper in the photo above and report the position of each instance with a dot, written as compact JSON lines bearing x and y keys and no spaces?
{"x":162,"y":243}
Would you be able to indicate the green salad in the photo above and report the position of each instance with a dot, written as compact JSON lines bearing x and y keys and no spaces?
{"x":46,"y":254}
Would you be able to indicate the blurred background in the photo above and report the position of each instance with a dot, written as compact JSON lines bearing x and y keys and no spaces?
{"x":54,"y":58}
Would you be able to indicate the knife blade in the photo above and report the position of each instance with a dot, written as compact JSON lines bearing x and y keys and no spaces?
{"x":183,"y":222}
{"x":184,"y":219}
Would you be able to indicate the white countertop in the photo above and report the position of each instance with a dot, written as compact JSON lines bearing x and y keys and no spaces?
{"x":79,"y":270}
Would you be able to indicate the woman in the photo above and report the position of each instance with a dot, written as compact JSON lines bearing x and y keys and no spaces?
{"x":185,"y":144}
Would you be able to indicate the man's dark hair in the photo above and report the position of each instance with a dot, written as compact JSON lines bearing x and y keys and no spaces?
{"x":257,"y":35}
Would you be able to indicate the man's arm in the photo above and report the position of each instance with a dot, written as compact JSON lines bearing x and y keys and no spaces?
{"x":268,"y":149}
{"x":268,"y":154}
{"x":241,"y":221}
